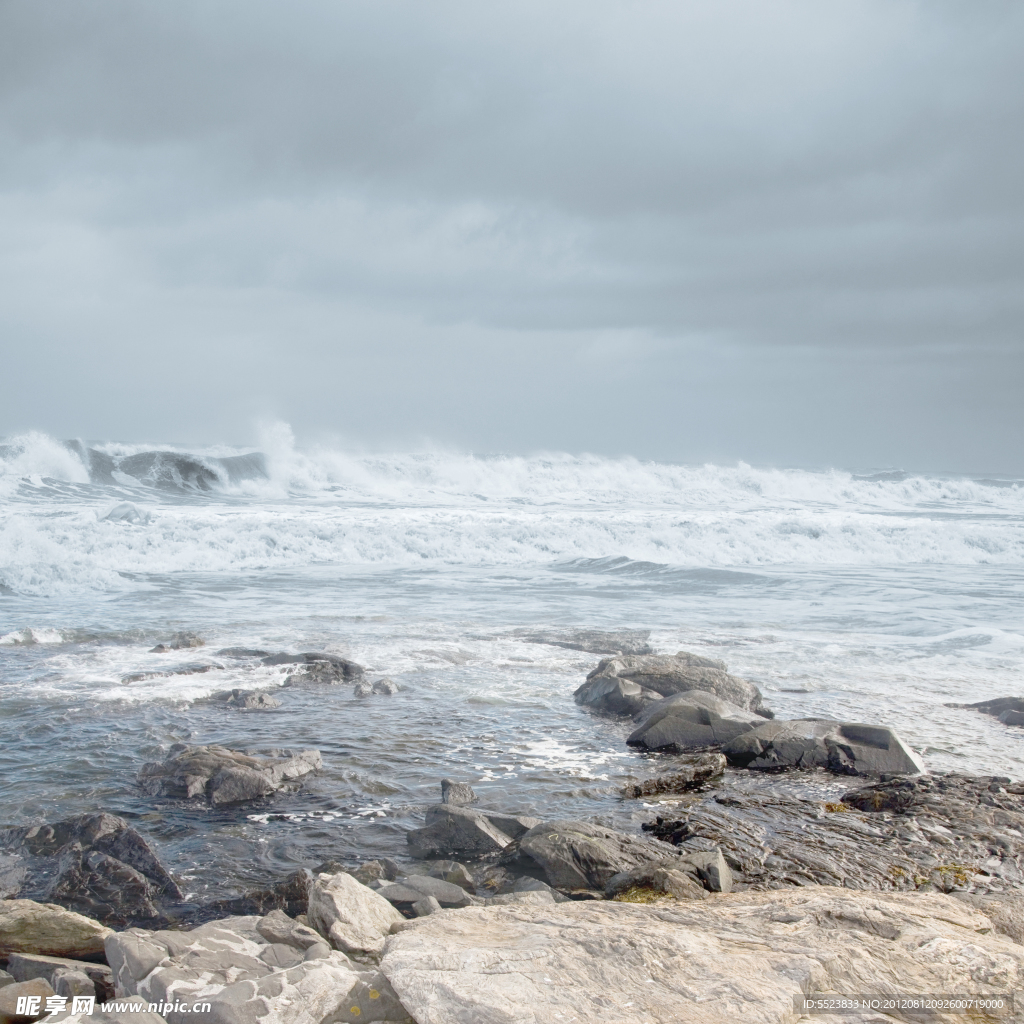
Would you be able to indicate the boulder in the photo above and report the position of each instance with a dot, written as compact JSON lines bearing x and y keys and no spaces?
{"x":663,"y":675}
{"x":352,"y":917}
{"x":36,"y":989}
{"x":849,"y":748}
{"x":1009,"y":710}
{"x":180,"y":642}
{"x":290,"y":895}
{"x":740,"y":957}
{"x":317,"y":668}
{"x":70,"y":983}
{"x":224,"y":776}
{"x":25,"y":966}
{"x":94,"y":864}
{"x":457,"y":792}
{"x":693,"y":773}
{"x":231,"y":964}
{"x":447,"y":894}
{"x":426,"y":906}
{"x":452,"y":871}
{"x":251,"y":700}
{"x":386,"y":687}
{"x":656,"y":876}
{"x":44,"y":928}
{"x":579,"y":854}
{"x":535,"y":885}
{"x":453,"y":831}
{"x":691,"y":720}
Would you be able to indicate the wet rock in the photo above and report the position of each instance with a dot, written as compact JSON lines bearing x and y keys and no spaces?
{"x":44,"y":928}
{"x":453,"y":831}
{"x":657,"y":876}
{"x":251,"y":700}
{"x":318,"y":668}
{"x":457,"y":792}
{"x":848,"y":748}
{"x":291,"y":896}
{"x":386,"y":687}
{"x":224,"y":776}
{"x":1009,"y":710}
{"x":231,"y":964}
{"x":626,"y":685}
{"x":593,"y":641}
{"x":362,"y":690}
{"x":690,"y":721}
{"x":738,"y":957}
{"x":688,"y":775}
{"x":579,"y":854}
{"x":180,"y":642}
{"x":352,"y":917}
{"x":94,"y":864}
{"x":25,"y":966}
{"x":242,"y":652}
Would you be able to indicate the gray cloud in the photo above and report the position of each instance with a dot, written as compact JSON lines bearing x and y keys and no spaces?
{"x":610,"y":226}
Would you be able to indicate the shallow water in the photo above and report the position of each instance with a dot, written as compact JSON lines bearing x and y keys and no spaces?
{"x":875,"y":599}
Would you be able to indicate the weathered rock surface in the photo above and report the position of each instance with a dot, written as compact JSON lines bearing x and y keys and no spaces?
{"x":691,"y":774}
{"x":707,"y":869}
{"x":94,"y":864}
{"x":849,"y":748}
{"x":579,"y":854}
{"x":593,"y":641}
{"x":250,"y":700}
{"x":933,"y":832}
{"x":690,"y":721}
{"x":1009,"y":710}
{"x":739,"y":957}
{"x":628,"y":684}
{"x":385,"y":687}
{"x":231,"y":964}
{"x":224,"y":776}
{"x":10,"y":994}
{"x":457,"y":792}
{"x":44,"y":928}
{"x":446,"y":894}
{"x":25,"y":966}
{"x":453,"y":830}
{"x":351,"y":916}
{"x":317,"y":668}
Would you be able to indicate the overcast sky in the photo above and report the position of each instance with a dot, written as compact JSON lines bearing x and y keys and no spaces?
{"x":785,"y":232}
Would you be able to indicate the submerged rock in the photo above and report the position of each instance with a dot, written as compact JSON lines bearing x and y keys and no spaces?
{"x":739,"y":957}
{"x":249,"y":700}
{"x":627,"y":684}
{"x":317,"y":668}
{"x":691,"y":720}
{"x":94,"y":864}
{"x":224,"y":776}
{"x":593,"y":641}
{"x":849,"y":748}
{"x":457,"y":792}
{"x":1009,"y":710}
{"x":694,"y":772}
{"x":180,"y":642}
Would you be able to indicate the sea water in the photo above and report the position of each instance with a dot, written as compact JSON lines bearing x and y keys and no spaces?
{"x":875,"y":597}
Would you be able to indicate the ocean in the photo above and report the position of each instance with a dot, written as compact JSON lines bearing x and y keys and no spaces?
{"x":467,"y":580}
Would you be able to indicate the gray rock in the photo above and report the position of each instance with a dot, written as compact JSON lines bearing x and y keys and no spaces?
{"x":180,"y":642}
{"x":224,"y":776}
{"x":5,"y":979}
{"x":529,"y":897}
{"x":664,"y":876}
{"x":456,"y":832}
{"x":997,"y":706}
{"x":452,"y":871}
{"x":93,"y":864}
{"x":664,"y":675}
{"x":691,"y":720}
{"x":849,"y":748}
{"x":426,"y":906}
{"x":69,"y":983}
{"x":581,"y":855}
{"x":743,"y":957}
{"x":593,"y":641}
{"x":362,"y":690}
{"x":319,"y":669}
{"x":457,"y":792}
{"x":386,"y":687}
{"x":445,"y":893}
{"x":278,"y":927}
{"x":396,"y":894}
{"x":688,"y":775}
{"x":25,"y":966}
{"x":251,"y":700}
{"x":511,"y":825}
{"x":528,"y":884}
{"x":352,"y":917}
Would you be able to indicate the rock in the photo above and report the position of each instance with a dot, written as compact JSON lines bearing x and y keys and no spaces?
{"x":512,"y":825}
{"x":540,"y":898}
{"x":454,"y":872}
{"x":318,"y":668}
{"x":694,"y":773}
{"x":69,"y":983}
{"x":251,"y":700}
{"x":659,"y":876}
{"x":663,"y":675}
{"x":362,"y":690}
{"x":593,"y":641}
{"x":242,"y":652}
{"x":457,"y":792}
{"x":447,"y":894}
{"x":581,"y":855}
{"x":180,"y":642}
{"x":689,"y":721}
{"x":5,"y":979}
{"x":352,"y":917}
{"x":849,"y":748}
{"x":278,"y":927}
{"x":426,"y":906}
{"x":230,"y":964}
{"x":224,"y":776}
{"x":290,"y":896}
{"x":454,"y":831}
{"x":43,"y":928}
{"x":25,"y":966}
{"x":386,"y":687}
{"x":127,"y":1010}
{"x":36,"y":990}
{"x":738,"y":957}
{"x":528,"y":884}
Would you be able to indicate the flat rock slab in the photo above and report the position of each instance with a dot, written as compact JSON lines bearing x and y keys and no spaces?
{"x":691,"y":720}
{"x":223,"y":776}
{"x":93,"y":864}
{"x":627,"y":684}
{"x":738,"y":957}
{"x":25,"y":966}
{"x":849,"y":748}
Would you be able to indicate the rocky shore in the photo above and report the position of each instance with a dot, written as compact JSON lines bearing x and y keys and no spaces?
{"x":738,"y":898}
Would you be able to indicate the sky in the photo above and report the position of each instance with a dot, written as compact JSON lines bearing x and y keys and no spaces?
{"x":782,"y":231}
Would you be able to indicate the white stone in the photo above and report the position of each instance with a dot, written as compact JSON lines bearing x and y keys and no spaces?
{"x":354,"y":918}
